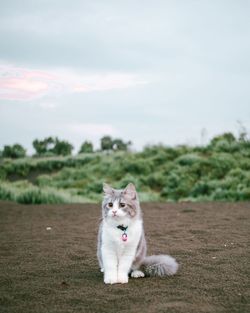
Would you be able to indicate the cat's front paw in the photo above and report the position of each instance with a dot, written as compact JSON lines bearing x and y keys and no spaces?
{"x":122,"y":278}
{"x":110,"y":279}
{"x":137,"y":274}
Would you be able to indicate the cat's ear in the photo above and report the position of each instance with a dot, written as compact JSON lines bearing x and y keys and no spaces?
{"x":108,"y":190}
{"x":130,"y":191}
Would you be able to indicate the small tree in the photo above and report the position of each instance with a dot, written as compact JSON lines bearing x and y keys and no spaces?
{"x":106,"y":143}
{"x":229,"y":137}
{"x":86,"y":147}
{"x":43,"y":146}
{"x":50,"y":146}
{"x":120,"y":145}
{"x":62,"y":147}
{"x":14,"y":152}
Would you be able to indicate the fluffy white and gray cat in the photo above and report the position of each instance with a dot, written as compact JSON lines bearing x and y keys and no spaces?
{"x":121,"y":242}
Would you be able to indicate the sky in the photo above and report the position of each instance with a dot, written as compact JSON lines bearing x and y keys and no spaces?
{"x":171,"y":72}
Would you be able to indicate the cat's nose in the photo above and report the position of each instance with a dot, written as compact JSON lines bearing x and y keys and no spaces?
{"x":114,"y":212}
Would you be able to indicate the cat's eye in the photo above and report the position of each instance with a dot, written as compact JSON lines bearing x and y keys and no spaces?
{"x":110,"y":204}
{"x":122,"y":205}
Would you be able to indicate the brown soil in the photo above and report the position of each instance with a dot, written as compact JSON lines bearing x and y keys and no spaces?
{"x":55,"y":270}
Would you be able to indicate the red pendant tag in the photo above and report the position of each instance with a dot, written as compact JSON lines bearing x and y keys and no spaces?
{"x":124,"y":237}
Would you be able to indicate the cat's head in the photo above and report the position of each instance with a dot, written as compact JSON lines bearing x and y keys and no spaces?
{"x":122,"y":203}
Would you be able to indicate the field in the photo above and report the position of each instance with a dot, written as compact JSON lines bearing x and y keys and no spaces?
{"x":48,"y":260}
{"x":219,"y":171}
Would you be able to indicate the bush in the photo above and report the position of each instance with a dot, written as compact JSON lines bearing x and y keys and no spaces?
{"x":221,"y":164}
{"x":226,"y":137}
{"x":120,"y":145}
{"x":201,"y":188}
{"x":244,"y":194}
{"x":37,"y":196}
{"x":225,"y":195}
{"x":52,"y":146}
{"x":106,"y":143}
{"x":178,"y":185}
{"x":155,"y":181}
{"x":94,"y":187}
{"x":44,"y":180}
{"x":244,"y":164}
{"x":6,"y":193}
{"x":86,"y":147}
{"x":14,"y":152}
{"x":136,"y":166}
{"x":160,"y":152}
{"x":188,"y":159}
{"x":128,"y":178}
{"x":62,"y":147}
{"x":225,"y":146}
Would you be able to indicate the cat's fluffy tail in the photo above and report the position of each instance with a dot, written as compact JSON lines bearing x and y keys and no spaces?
{"x":159,"y":265}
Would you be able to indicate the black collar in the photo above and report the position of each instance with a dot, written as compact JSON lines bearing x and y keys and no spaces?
{"x":121,"y":227}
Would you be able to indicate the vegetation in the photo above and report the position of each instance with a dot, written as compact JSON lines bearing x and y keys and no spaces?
{"x":52,"y":146}
{"x":219,"y":171}
{"x":109,"y":144}
{"x":86,"y":147}
{"x":16,"y":151}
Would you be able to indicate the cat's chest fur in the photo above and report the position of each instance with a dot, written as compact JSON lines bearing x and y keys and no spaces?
{"x":112,"y":236}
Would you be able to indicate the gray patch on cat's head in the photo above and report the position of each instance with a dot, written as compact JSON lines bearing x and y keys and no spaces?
{"x":127,"y":195}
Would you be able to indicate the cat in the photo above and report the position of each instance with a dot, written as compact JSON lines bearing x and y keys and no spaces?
{"x":121,"y":248}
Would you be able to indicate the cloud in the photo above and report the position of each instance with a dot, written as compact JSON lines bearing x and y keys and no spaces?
{"x":16,"y":89}
{"x":92,"y":130}
{"x":48,"y":105}
{"x":108,"y":82}
{"x":17,"y":83}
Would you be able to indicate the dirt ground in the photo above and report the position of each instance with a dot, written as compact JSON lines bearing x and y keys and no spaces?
{"x":48,"y":260}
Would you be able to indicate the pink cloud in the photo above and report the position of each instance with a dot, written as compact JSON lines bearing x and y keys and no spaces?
{"x":26,"y":85}
{"x":17,"y":83}
{"x":23,"y":84}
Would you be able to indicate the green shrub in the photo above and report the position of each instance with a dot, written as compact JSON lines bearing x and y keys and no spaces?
{"x":226,"y":146}
{"x":44,"y":180}
{"x":94,"y":187}
{"x":52,"y":146}
{"x":137,"y":166}
{"x":178,"y":185}
{"x":6,"y":193}
{"x":188,"y":159}
{"x":155,"y":181}
{"x":37,"y":196}
{"x":201,"y":188}
{"x":244,"y":194}
{"x":149,"y":196}
{"x":221,"y":164}
{"x":226,"y":137}
{"x":244,"y":163}
{"x":160,"y":152}
{"x":15,"y":151}
{"x":225,"y":195}
{"x":128,"y":178}
{"x":86,"y":147}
